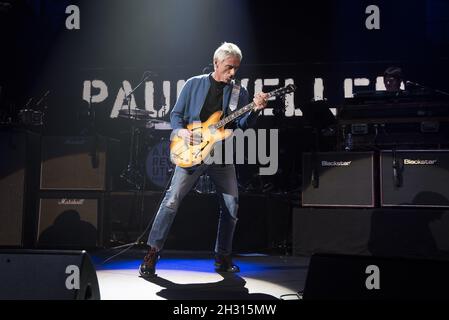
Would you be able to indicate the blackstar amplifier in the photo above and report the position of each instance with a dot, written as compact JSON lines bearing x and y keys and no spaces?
{"x":417,"y":178}
{"x":338,"y":179}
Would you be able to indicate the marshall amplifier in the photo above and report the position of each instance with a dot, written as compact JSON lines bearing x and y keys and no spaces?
{"x":69,"y":221}
{"x":417,"y":178}
{"x":338,"y":179}
{"x":73,"y":163}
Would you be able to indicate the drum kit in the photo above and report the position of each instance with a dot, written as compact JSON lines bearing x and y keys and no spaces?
{"x":30,"y":117}
{"x":157,"y":164}
{"x":33,"y":117}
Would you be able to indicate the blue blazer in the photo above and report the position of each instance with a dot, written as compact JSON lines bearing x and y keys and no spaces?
{"x":191,"y":100}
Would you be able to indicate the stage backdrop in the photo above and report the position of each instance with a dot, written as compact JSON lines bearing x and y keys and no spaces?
{"x":89,"y":53}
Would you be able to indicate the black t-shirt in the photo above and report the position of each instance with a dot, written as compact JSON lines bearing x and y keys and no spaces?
{"x":214,"y":99}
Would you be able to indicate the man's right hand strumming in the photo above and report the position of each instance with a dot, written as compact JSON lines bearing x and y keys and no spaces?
{"x":189,"y":137}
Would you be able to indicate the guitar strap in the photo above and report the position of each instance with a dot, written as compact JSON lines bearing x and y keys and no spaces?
{"x":233,"y":102}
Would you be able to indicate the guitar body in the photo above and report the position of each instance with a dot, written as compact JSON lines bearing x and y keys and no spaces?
{"x":185,"y":155}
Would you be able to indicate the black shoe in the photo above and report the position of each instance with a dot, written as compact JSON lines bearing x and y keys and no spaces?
{"x":148,"y":267}
{"x":223,"y":263}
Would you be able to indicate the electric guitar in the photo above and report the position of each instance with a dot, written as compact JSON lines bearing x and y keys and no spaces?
{"x":211,"y":131}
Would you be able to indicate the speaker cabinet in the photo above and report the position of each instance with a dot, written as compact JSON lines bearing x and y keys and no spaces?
{"x":47,"y":275}
{"x":415,"y":178}
{"x":12,"y":187}
{"x":73,"y":163}
{"x":70,"y":220}
{"x":338,"y":179}
{"x":350,"y":277}
{"x":18,"y":183}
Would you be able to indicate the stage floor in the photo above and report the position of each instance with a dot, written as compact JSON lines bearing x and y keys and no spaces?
{"x":185,"y":275}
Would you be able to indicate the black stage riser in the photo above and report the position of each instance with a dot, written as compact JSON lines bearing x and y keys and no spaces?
{"x":351,"y":277}
{"x":394,"y":232}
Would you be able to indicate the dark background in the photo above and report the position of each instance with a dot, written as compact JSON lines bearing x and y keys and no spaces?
{"x":119,"y":40}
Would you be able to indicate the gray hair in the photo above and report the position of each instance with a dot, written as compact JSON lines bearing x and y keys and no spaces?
{"x":227,"y":49}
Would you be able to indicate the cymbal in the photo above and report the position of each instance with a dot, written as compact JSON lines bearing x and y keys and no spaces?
{"x":136,"y":114}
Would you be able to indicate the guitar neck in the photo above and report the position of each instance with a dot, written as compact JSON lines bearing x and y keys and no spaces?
{"x":234,"y":115}
{"x":242,"y":111}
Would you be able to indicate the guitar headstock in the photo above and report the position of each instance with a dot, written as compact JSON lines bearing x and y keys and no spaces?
{"x":283,"y":91}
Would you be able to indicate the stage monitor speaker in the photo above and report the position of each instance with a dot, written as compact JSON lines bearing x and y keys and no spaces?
{"x":415,"y":178}
{"x":338,"y":179}
{"x":47,"y":275}
{"x":69,"y":221}
{"x":73,"y":163}
{"x":351,"y":277}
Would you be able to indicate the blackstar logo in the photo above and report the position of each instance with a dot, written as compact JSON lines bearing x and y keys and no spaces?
{"x":76,"y":202}
{"x":325,"y":163}
{"x":419,"y":162}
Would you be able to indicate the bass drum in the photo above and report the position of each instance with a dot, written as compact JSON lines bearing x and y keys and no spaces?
{"x":158,"y":166}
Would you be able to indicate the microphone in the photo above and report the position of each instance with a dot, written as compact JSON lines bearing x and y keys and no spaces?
{"x":397,"y":177}
{"x":315,"y":179}
{"x":395,"y":173}
{"x":315,"y":171}
{"x":348,"y":142}
{"x":415,"y":84}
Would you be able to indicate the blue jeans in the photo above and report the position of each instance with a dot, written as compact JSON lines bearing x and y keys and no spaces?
{"x":182,"y":182}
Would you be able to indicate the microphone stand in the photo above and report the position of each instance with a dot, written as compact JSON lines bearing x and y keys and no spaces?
{"x":397,"y":171}
{"x":427,"y":88}
{"x":131,"y":174}
{"x":92,"y":131}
